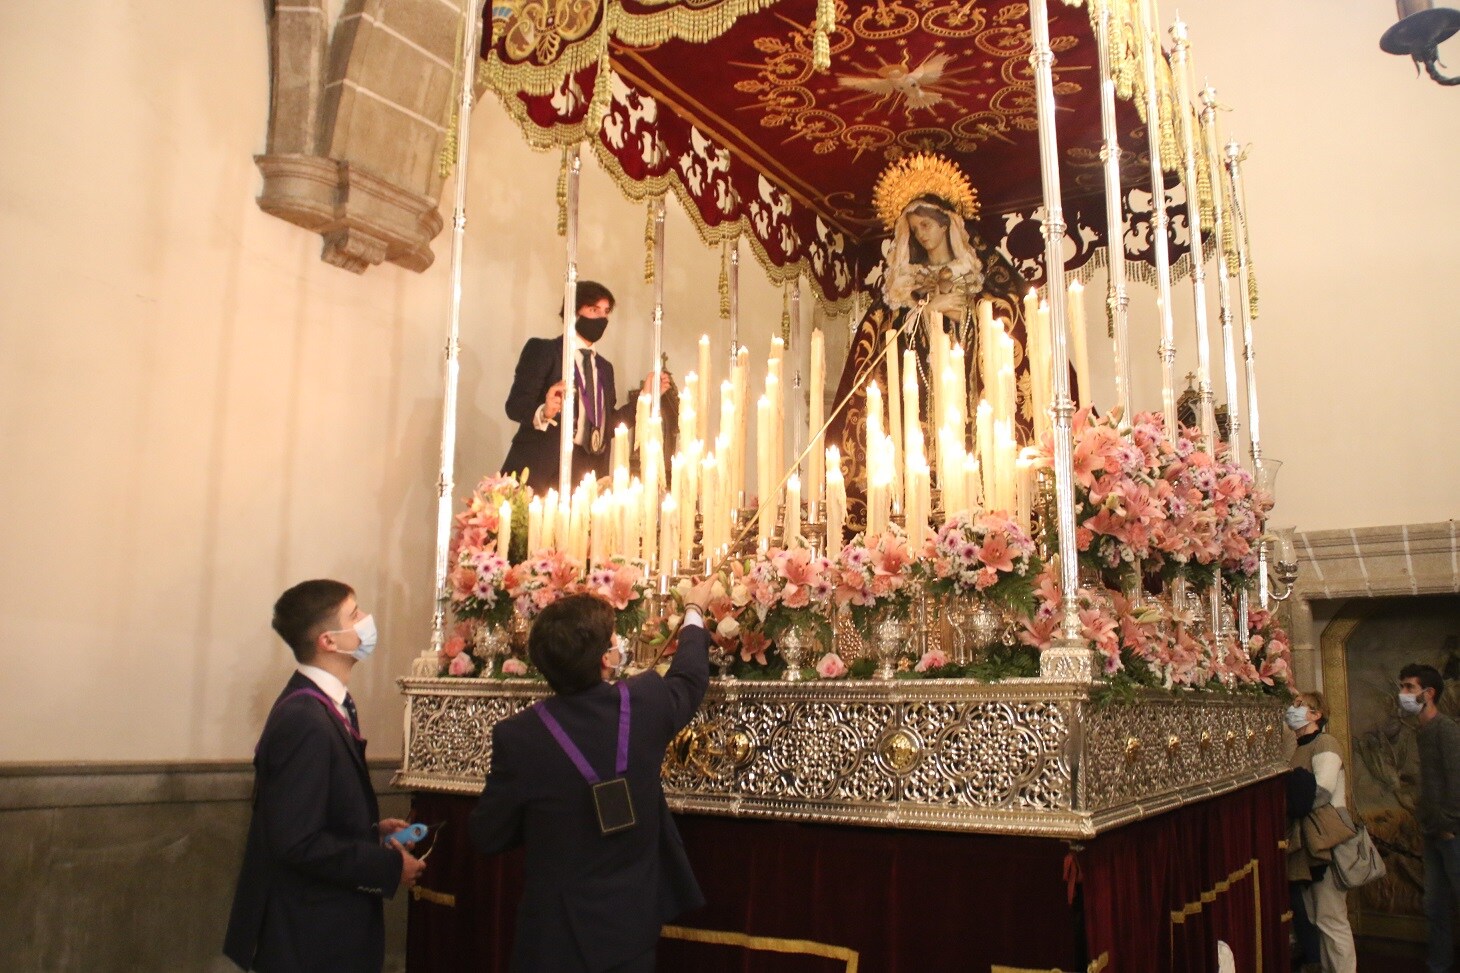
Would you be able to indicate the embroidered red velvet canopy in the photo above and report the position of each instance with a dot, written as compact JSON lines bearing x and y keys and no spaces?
{"x":720,"y":101}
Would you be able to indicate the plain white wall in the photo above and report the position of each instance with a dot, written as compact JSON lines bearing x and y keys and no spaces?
{"x":195,"y":412}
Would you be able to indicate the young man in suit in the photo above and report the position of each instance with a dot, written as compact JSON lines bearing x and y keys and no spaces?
{"x":315,"y":872}
{"x":604,"y":871}
{"x":536,"y":400}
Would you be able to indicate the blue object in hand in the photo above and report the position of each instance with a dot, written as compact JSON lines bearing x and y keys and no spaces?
{"x":408,"y":834}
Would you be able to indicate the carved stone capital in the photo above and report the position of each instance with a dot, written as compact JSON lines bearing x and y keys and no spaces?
{"x":363,"y":219}
{"x":1069,"y":661}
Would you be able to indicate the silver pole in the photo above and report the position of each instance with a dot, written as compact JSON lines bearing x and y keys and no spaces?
{"x":1249,"y":353}
{"x":1117,"y":299}
{"x":1210,"y":144}
{"x":1180,"y":56}
{"x":1160,"y":219}
{"x":1244,"y":282}
{"x":654,"y":403}
{"x":567,"y":419}
{"x":1181,"y":68}
{"x":735,"y":303}
{"x":1041,"y":59}
{"x":446,"y":482}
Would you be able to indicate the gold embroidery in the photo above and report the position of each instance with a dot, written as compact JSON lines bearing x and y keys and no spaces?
{"x":768,"y":944}
{"x":419,"y":892}
{"x":1250,"y":870}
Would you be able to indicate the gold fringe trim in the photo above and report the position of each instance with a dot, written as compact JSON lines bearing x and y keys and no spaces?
{"x":765,"y":944}
{"x":420,"y":892}
{"x":1253,"y":870}
{"x":679,"y":22}
{"x":638,"y":191}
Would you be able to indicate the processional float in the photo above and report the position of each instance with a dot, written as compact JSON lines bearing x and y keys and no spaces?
{"x":939,"y":604}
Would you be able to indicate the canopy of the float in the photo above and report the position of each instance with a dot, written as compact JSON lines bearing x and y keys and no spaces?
{"x":722,"y":103}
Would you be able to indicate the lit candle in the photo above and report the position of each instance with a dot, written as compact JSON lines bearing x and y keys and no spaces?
{"x":669,"y":536}
{"x":972,"y":483}
{"x":1024,"y":488}
{"x":874,"y":413}
{"x":621,"y":452}
{"x":763,"y":473}
{"x":985,"y":450}
{"x":534,"y":524}
{"x":836,"y":501}
{"x":815,"y":407}
{"x":504,"y":528}
{"x":793,"y":511}
{"x":548,"y":536}
{"x":702,"y":403}
{"x":710,"y":522}
{"x":894,"y":413}
{"x":773,"y":444}
{"x":689,"y":408}
{"x":1079,"y":346}
{"x":911,"y":426}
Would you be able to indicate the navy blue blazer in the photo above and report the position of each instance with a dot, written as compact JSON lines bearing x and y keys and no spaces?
{"x":314,"y":876}
{"x":538,"y":367}
{"x":592,"y":901}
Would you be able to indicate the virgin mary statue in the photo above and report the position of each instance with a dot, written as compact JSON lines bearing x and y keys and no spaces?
{"x":935,"y":273}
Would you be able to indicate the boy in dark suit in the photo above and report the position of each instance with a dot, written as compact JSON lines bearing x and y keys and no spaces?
{"x":605,"y":867}
{"x":536,"y":400}
{"x":310,"y":893}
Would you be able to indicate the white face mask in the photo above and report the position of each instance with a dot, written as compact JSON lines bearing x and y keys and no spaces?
{"x":1297,"y":717}
{"x":365,"y":629}
{"x":1411,"y":703}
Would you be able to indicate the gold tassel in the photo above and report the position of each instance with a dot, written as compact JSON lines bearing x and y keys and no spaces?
{"x":649,"y":243}
{"x":786,"y":313}
{"x":447,"y":161}
{"x":724,"y":279}
{"x":821,"y":35}
{"x":563,"y":195}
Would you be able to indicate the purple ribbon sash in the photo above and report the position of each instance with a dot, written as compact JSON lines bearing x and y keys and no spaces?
{"x":329,"y":704}
{"x":592,"y":408}
{"x":621,"y":763}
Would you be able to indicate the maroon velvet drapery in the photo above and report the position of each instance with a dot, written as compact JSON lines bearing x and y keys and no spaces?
{"x":792,"y":898}
{"x":1160,"y":893}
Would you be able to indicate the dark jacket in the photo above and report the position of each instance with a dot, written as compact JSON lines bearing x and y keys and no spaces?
{"x":314,"y":873}
{"x":538,"y":367}
{"x":1439,"y":776}
{"x":593,"y":901}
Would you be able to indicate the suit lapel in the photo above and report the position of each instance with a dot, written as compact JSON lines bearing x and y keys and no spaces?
{"x":357,"y":750}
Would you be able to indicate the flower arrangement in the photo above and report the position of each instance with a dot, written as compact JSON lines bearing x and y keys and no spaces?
{"x":989,"y":554}
{"x":475,"y":528}
{"x":541,"y":580}
{"x":1121,"y":498}
{"x":1270,"y":652}
{"x":789,"y":587}
{"x":622,"y":584}
{"x":873,"y":576}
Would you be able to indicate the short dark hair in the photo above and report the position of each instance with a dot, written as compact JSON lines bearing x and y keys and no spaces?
{"x":305,"y":610}
{"x":589,"y":293}
{"x":1428,"y":677}
{"x":568,"y":640}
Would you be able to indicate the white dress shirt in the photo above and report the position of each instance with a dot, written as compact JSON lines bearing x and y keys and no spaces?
{"x":330,"y":685}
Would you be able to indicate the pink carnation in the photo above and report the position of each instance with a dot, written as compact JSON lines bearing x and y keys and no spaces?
{"x":461,"y":665}
{"x":514,"y":667}
{"x":932,"y":659}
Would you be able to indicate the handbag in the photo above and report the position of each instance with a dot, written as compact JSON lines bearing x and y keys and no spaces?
{"x":1356,"y":862}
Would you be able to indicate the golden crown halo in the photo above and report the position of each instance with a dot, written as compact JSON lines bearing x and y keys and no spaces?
{"x":919,"y":175}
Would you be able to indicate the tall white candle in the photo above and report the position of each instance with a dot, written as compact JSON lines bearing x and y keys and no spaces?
{"x":504,"y":528}
{"x":669,"y":535}
{"x":894,"y":412}
{"x":815,"y":409}
{"x":836,"y":501}
{"x":1079,"y":344}
{"x":702,"y":404}
{"x":534,"y":524}
{"x":793,"y":511}
{"x":548,"y":529}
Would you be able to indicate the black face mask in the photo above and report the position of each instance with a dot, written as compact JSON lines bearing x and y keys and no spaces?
{"x":590,"y":329}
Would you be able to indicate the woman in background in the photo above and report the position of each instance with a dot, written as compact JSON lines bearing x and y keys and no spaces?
{"x":1316,"y":829}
